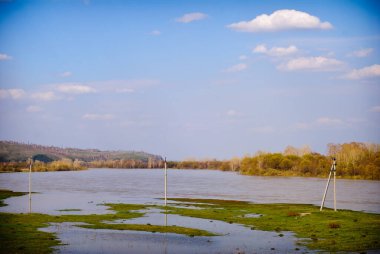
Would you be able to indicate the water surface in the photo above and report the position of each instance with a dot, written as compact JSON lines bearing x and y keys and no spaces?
{"x":87,"y":189}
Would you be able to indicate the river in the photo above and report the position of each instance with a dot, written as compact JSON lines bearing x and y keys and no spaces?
{"x":85,"y":190}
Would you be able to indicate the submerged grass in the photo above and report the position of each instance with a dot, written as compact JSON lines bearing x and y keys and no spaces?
{"x":327,"y":230}
{"x":70,"y":210}
{"x":19,"y":232}
{"x":330,"y":231}
{"x":152,"y":228}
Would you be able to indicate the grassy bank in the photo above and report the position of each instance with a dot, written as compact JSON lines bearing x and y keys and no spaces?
{"x":327,"y":230}
{"x":331,"y":231}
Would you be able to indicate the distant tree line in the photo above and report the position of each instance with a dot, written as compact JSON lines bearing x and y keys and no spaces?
{"x":59,"y":165}
{"x":355,"y":160}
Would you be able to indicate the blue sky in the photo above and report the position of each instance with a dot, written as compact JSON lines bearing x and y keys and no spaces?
{"x":190,"y":79}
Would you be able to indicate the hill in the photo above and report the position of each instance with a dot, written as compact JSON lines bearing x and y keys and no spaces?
{"x":18,"y":152}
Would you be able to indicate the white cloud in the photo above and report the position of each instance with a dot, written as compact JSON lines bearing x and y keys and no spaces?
{"x":33,"y":109}
{"x":155,"y":32}
{"x":16,"y":93}
{"x":3,"y":93}
{"x":261,"y":48}
{"x":4,"y":57}
{"x":190,"y":17}
{"x":98,"y":117}
{"x":281,"y":20}
{"x":44,"y":96}
{"x":65,"y":74}
{"x":74,"y":88}
{"x":366,"y":72}
{"x":329,"y":121}
{"x":318,"y":63}
{"x":376,"y":109}
{"x":275,"y":51}
{"x":361,"y":52}
{"x":13,"y":93}
{"x":237,"y":68}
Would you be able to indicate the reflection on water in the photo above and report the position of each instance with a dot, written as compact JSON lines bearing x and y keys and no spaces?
{"x":85,"y":190}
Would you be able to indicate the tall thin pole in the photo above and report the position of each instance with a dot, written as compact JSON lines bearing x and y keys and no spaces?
{"x":334,"y":194}
{"x":324,"y":195}
{"x":166,"y":182}
{"x":30,"y":185}
{"x":334,"y":187}
{"x":332,"y":170}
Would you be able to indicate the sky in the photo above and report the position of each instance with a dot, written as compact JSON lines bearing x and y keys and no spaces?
{"x":190,"y":79}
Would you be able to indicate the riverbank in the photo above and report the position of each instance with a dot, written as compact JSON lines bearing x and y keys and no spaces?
{"x":327,"y":230}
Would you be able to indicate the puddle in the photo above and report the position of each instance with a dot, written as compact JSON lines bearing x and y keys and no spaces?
{"x":234,"y":238}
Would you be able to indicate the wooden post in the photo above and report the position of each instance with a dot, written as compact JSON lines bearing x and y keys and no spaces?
{"x":166,"y":182}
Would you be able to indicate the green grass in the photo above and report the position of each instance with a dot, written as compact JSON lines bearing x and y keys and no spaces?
{"x":327,"y":230}
{"x":152,"y":228}
{"x":342,"y":231}
{"x":19,"y":232}
{"x":7,"y":194}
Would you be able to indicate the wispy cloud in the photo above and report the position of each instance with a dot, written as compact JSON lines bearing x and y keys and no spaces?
{"x":280,"y":20}
{"x":12,"y":93}
{"x":318,"y":63}
{"x":233,"y":113}
{"x":155,"y":32}
{"x":321,"y":122}
{"x":275,"y":51}
{"x":75,"y":88}
{"x":236,"y":68}
{"x":44,"y":96}
{"x":328,"y":121}
{"x":361,"y":52}
{"x":190,"y":17}
{"x":4,"y":57}
{"x":363,"y":73}
{"x":376,"y":109}
{"x":65,"y":74}
{"x":243,"y":57}
{"x":98,"y":117}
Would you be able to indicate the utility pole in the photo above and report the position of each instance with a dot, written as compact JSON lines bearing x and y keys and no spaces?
{"x":166,"y":182}
{"x":332,"y":170}
{"x":30,"y":184}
